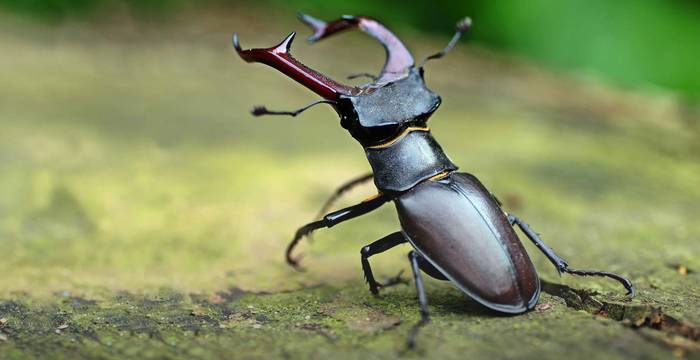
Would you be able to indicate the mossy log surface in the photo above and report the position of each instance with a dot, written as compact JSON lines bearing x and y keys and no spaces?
{"x":145,"y":212}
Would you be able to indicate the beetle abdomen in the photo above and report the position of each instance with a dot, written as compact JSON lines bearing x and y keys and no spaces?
{"x":459,"y":228}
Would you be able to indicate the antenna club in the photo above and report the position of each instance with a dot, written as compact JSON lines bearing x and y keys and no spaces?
{"x":464,"y":24}
{"x":258,"y":110}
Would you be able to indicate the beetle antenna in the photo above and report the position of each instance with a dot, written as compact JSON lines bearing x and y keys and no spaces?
{"x":462,"y":27}
{"x":359,"y":75}
{"x":262,"y":110}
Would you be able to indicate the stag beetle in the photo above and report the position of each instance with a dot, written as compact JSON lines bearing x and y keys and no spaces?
{"x":458,"y":229}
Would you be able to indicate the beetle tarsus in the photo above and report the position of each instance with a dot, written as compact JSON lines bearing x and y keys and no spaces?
{"x":375,"y":286}
{"x":294,"y":263}
{"x":303,"y":231}
{"x":375,"y":248}
{"x":394,"y":280}
{"x":333,"y":219}
{"x":560,"y":264}
{"x":631,"y":291}
{"x":411,"y":342}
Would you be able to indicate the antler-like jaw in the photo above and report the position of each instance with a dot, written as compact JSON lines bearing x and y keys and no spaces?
{"x":398,"y":60}
{"x":280,"y":58}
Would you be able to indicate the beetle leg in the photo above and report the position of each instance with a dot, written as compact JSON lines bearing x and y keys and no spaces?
{"x":338,"y":193}
{"x":394,"y":280}
{"x":333,"y":219}
{"x":262,"y":110}
{"x":342,"y":190}
{"x":422,"y":299}
{"x":375,"y":248}
{"x":561,"y":264}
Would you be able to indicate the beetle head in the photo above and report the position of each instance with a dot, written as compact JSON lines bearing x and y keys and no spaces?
{"x":397,"y":99}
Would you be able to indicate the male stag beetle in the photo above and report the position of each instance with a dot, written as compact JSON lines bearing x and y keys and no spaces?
{"x":458,"y":230}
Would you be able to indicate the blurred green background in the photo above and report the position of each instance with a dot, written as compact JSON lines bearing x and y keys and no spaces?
{"x":137,"y":193}
{"x":646,"y":43}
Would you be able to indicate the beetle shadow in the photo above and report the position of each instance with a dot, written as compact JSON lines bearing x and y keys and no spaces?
{"x":446,"y":299}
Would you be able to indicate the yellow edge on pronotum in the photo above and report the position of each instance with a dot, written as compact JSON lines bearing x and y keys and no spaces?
{"x":394,"y":140}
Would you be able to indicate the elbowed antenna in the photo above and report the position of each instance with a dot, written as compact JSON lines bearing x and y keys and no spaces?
{"x":262,"y":110}
{"x":279,"y":58}
{"x":398,"y":58}
{"x":462,"y":27}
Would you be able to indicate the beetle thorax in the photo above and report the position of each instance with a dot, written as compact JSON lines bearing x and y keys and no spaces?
{"x":381,"y":112}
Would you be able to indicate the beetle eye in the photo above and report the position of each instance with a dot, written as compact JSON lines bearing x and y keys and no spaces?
{"x":421,"y":71}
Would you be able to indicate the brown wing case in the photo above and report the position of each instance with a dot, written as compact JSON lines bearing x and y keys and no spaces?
{"x":460,"y":229}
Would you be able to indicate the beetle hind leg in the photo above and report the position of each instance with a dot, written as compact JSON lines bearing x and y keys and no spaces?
{"x":422,"y":299}
{"x":375,"y":248}
{"x":561,"y":264}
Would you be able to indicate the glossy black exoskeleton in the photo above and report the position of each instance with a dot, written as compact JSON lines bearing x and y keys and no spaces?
{"x":458,"y":229}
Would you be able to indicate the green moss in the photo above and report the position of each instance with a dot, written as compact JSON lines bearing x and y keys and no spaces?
{"x":314,"y":322}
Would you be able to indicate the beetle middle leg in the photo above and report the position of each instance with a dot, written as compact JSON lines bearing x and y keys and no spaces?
{"x":561,"y":264}
{"x":347,"y":186}
{"x":375,"y":248}
{"x":333,"y":219}
{"x":422,"y":298}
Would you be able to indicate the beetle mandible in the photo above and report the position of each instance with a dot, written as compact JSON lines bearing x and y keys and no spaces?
{"x":458,"y":229}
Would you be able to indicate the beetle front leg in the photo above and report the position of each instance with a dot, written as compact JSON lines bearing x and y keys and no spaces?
{"x":333,"y":219}
{"x":422,"y":299}
{"x":349,"y":185}
{"x":375,"y":248}
{"x":561,"y":264}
